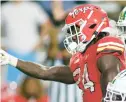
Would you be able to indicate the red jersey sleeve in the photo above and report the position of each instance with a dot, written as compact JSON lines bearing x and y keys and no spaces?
{"x":110,"y":45}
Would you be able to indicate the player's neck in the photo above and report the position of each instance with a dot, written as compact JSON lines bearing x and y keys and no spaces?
{"x":100,"y":36}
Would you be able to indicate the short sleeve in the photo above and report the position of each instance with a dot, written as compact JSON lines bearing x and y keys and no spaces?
{"x":110,"y":45}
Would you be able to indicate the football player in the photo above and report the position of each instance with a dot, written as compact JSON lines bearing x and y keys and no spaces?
{"x":121,"y":24}
{"x":116,"y":89}
{"x":96,"y":57}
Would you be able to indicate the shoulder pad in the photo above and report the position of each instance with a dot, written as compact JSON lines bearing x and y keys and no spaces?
{"x":110,"y":43}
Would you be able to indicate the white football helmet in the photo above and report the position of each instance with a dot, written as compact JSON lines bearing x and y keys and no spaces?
{"x":121,"y":24}
{"x":116,"y":90}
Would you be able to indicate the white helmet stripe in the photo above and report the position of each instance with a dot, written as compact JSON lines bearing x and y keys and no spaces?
{"x":99,"y":27}
{"x":90,"y":14}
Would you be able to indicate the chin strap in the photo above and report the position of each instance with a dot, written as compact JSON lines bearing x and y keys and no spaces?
{"x":82,"y":46}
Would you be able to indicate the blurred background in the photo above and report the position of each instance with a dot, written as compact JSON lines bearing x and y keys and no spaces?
{"x":31,"y":30}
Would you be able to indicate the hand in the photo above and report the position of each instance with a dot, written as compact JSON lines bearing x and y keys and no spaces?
{"x":6,"y":58}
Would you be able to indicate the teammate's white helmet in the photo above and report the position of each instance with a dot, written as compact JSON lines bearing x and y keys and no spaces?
{"x":121,"y":24}
{"x":116,"y":90}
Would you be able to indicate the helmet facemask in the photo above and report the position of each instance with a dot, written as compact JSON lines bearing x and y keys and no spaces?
{"x":122,"y":29}
{"x":114,"y":96}
{"x":122,"y":33}
{"x":116,"y":89}
{"x":75,"y":40}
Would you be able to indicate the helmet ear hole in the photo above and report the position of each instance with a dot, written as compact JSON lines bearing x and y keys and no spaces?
{"x":92,"y":26}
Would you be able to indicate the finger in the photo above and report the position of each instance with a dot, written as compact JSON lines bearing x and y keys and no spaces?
{"x":3,"y":63}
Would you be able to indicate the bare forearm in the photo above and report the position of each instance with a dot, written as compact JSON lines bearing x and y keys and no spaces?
{"x":55,"y":73}
{"x":31,"y":68}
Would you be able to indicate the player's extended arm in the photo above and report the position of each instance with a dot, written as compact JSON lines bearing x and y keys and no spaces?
{"x":55,"y":73}
{"x":109,"y":66}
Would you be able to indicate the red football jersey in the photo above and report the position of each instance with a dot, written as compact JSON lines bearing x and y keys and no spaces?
{"x":84,"y":66}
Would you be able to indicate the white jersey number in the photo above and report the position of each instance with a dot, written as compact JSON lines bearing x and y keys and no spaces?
{"x":89,"y":84}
